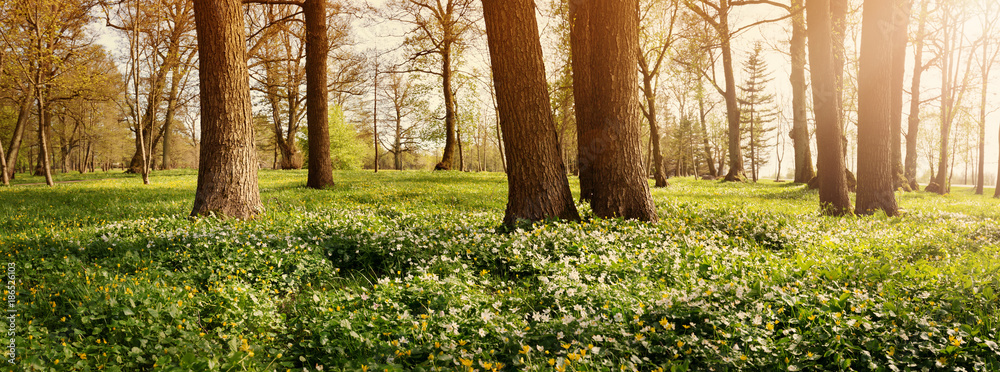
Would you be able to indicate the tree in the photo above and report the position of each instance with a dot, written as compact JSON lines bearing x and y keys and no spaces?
{"x":913,"y":120}
{"x":657,"y":18}
{"x":537,"y":184}
{"x":954,"y":81}
{"x":317,"y":50}
{"x":876,"y":103}
{"x":757,"y":109}
{"x":161,"y":39}
{"x":438,"y":29}
{"x":824,"y":64}
{"x":900,"y":20}
{"x":403,"y":97}
{"x":720,"y":23}
{"x":804,"y":171}
{"x":989,"y":58}
{"x":280,"y":78}
{"x":608,"y":116}
{"x":227,"y":172}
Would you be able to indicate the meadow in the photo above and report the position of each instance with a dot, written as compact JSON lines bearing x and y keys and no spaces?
{"x":403,"y":271}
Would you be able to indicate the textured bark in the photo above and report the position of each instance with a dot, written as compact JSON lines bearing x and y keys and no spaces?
{"x":317,"y":48}
{"x":913,"y":121}
{"x":876,"y":106}
{"x":800,"y":117}
{"x":583,"y":95}
{"x":227,"y":172}
{"x":832,"y":177}
{"x":537,"y":184}
{"x":611,"y":129}
{"x":900,"y":19}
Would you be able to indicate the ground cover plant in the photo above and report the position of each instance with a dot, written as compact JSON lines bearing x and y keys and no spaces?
{"x":411,"y":271}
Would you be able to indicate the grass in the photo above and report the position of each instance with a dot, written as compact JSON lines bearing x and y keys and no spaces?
{"x":407,"y":271}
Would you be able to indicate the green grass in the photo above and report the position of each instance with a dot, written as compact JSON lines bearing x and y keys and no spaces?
{"x":407,"y":271}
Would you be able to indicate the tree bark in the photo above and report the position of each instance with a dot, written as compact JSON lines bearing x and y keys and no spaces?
{"x":227,"y":173}
{"x":804,"y":171}
{"x":876,"y":108}
{"x":583,"y":95}
{"x":610,"y":131}
{"x":537,"y":184}
{"x":317,"y":48}
{"x":833,"y":196}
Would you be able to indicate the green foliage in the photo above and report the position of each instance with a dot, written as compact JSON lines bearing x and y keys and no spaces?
{"x":407,"y":271}
{"x":346,"y":148}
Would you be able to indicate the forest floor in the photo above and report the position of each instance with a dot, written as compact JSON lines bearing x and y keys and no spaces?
{"x":409,"y":271}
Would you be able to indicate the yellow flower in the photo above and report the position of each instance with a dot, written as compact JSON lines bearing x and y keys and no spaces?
{"x":83,"y":356}
{"x":680,"y":343}
{"x":552,"y":362}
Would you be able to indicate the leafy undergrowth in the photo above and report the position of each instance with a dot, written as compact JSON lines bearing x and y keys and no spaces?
{"x":407,"y":271}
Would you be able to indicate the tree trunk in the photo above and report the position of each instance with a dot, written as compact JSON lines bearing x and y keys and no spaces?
{"x":899,"y":19}
{"x":449,"y":107}
{"x":654,"y":132}
{"x":737,"y":171}
{"x":611,"y":130}
{"x":23,"y":113}
{"x":876,"y":108}
{"x":583,"y":96}
{"x":830,"y":151}
{"x":947,"y":104}
{"x":537,"y":184}
{"x":804,"y":171}
{"x":703,"y":119}
{"x":169,"y":118}
{"x":227,"y":172}
{"x":913,"y":121}
{"x":317,"y":48}
{"x":43,"y":138}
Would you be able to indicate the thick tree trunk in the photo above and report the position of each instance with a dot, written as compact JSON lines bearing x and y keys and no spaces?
{"x":804,"y":171}
{"x":610,"y":131}
{"x":317,"y":48}
{"x":449,"y":107}
{"x":227,"y":172}
{"x":537,"y":184}
{"x":876,"y":109}
{"x":588,"y":152}
{"x":830,"y":151}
